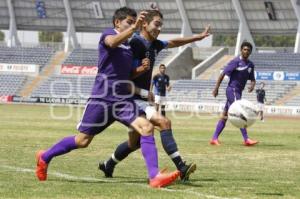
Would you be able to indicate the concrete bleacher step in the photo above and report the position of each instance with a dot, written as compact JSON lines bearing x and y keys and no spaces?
{"x":57,"y":59}
{"x":288,"y":96}
{"x":164,"y":59}
{"x":212,"y":73}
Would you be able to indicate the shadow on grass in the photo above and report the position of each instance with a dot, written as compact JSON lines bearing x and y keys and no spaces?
{"x":102,"y":180}
{"x":270,"y":194}
{"x":195,"y":182}
{"x":271,"y":145}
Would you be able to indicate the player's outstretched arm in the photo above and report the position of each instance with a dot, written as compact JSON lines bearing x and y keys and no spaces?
{"x":219,"y":81}
{"x":186,"y":40}
{"x":114,"y":41}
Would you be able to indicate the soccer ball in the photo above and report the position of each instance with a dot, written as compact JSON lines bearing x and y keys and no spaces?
{"x":242,"y":113}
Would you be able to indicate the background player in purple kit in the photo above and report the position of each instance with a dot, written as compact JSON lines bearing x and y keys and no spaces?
{"x":111,"y":100}
{"x":161,"y":84}
{"x":146,"y":45}
{"x":239,"y":70}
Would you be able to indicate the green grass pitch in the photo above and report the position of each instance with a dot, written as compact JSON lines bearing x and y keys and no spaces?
{"x":269,"y":170}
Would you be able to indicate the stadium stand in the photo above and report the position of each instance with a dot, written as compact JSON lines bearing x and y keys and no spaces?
{"x":89,"y":57}
{"x":65,"y":87}
{"x":295,"y":101}
{"x":201,"y":91}
{"x":82,"y":57}
{"x":25,"y":55}
{"x":11,"y":84}
{"x":220,"y":14}
{"x":276,"y":61}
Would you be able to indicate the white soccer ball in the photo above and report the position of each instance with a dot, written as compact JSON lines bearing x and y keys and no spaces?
{"x":242,"y":113}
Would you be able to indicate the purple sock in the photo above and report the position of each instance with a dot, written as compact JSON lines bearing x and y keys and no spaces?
{"x":244,"y":133}
{"x":219,"y":128}
{"x":149,"y":152}
{"x":65,"y":145}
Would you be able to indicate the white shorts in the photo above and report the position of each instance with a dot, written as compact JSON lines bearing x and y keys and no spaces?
{"x":161,"y":100}
{"x":146,"y":107}
{"x":260,"y":106}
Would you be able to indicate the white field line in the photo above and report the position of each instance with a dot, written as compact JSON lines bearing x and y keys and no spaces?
{"x":90,"y":179}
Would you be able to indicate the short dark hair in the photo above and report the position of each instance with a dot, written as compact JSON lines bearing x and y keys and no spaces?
{"x":122,"y":13}
{"x":151,"y":14}
{"x":162,"y":65}
{"x":248,"y":44}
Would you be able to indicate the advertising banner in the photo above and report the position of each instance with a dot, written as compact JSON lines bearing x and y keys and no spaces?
{"x":78,"y":70}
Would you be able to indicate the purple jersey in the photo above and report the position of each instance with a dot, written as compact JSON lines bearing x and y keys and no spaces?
{"x":239,"y":72}
{"x":114,"y":68}
{"x":141,"y":49}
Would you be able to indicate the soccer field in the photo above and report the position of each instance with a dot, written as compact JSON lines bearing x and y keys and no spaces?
{"x":269,"y":170}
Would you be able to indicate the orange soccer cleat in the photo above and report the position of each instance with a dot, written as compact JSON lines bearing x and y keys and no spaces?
{"x":41,"y":166}
{"x":163,"y":179}
{"x":250,"y":142}
{"x":215,"y":142}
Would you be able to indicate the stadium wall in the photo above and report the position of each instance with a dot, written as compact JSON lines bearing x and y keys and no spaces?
{"x":212,"y":108}
{"x":180,"y":67}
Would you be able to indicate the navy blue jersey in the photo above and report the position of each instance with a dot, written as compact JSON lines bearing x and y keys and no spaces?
{"x":160,"y":82}
{"x":260,"y":95}
{"x":141,"y":49}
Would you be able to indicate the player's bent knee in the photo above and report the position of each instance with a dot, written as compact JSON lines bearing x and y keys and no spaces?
{"x":134,"y":140}
{"x":167,"y":123}
{"x":164,"y":123}
{"x":134,"y":145}
{"x":147,"y":129}
{"x":83,"y":140}
{"x":224,"y":118}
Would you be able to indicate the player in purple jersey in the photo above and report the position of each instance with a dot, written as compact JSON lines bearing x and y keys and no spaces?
{"x":146,"y":45}
{"x":111,"y":101}
{"x":239,"y":70}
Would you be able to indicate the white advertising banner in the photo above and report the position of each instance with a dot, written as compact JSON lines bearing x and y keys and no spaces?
{"x":217,"y":108}
{"x":19,"y":68}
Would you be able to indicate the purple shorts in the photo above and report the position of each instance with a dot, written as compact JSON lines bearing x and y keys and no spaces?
{"x":100,"y":114}
{"x":232,"y":94}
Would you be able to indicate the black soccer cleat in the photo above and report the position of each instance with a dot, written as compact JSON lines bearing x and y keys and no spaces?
{"x":186,"y":171}
{"x":107,"y":171}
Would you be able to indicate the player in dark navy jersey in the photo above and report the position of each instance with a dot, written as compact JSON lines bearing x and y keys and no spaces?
{"x":261,"y":98}
{"x":161,"y":84}
{"x":239,"y":70}
{"x":146,"y":45}
{"x":112,"y":101}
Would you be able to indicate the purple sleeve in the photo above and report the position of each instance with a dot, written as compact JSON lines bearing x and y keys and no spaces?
{"x":231,"y":66}
{"x":105,"y":33}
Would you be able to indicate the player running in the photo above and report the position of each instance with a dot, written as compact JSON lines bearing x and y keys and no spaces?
{"x":146,"y":45}
{"x":239,"y":70}
{"x":111,"y":101}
